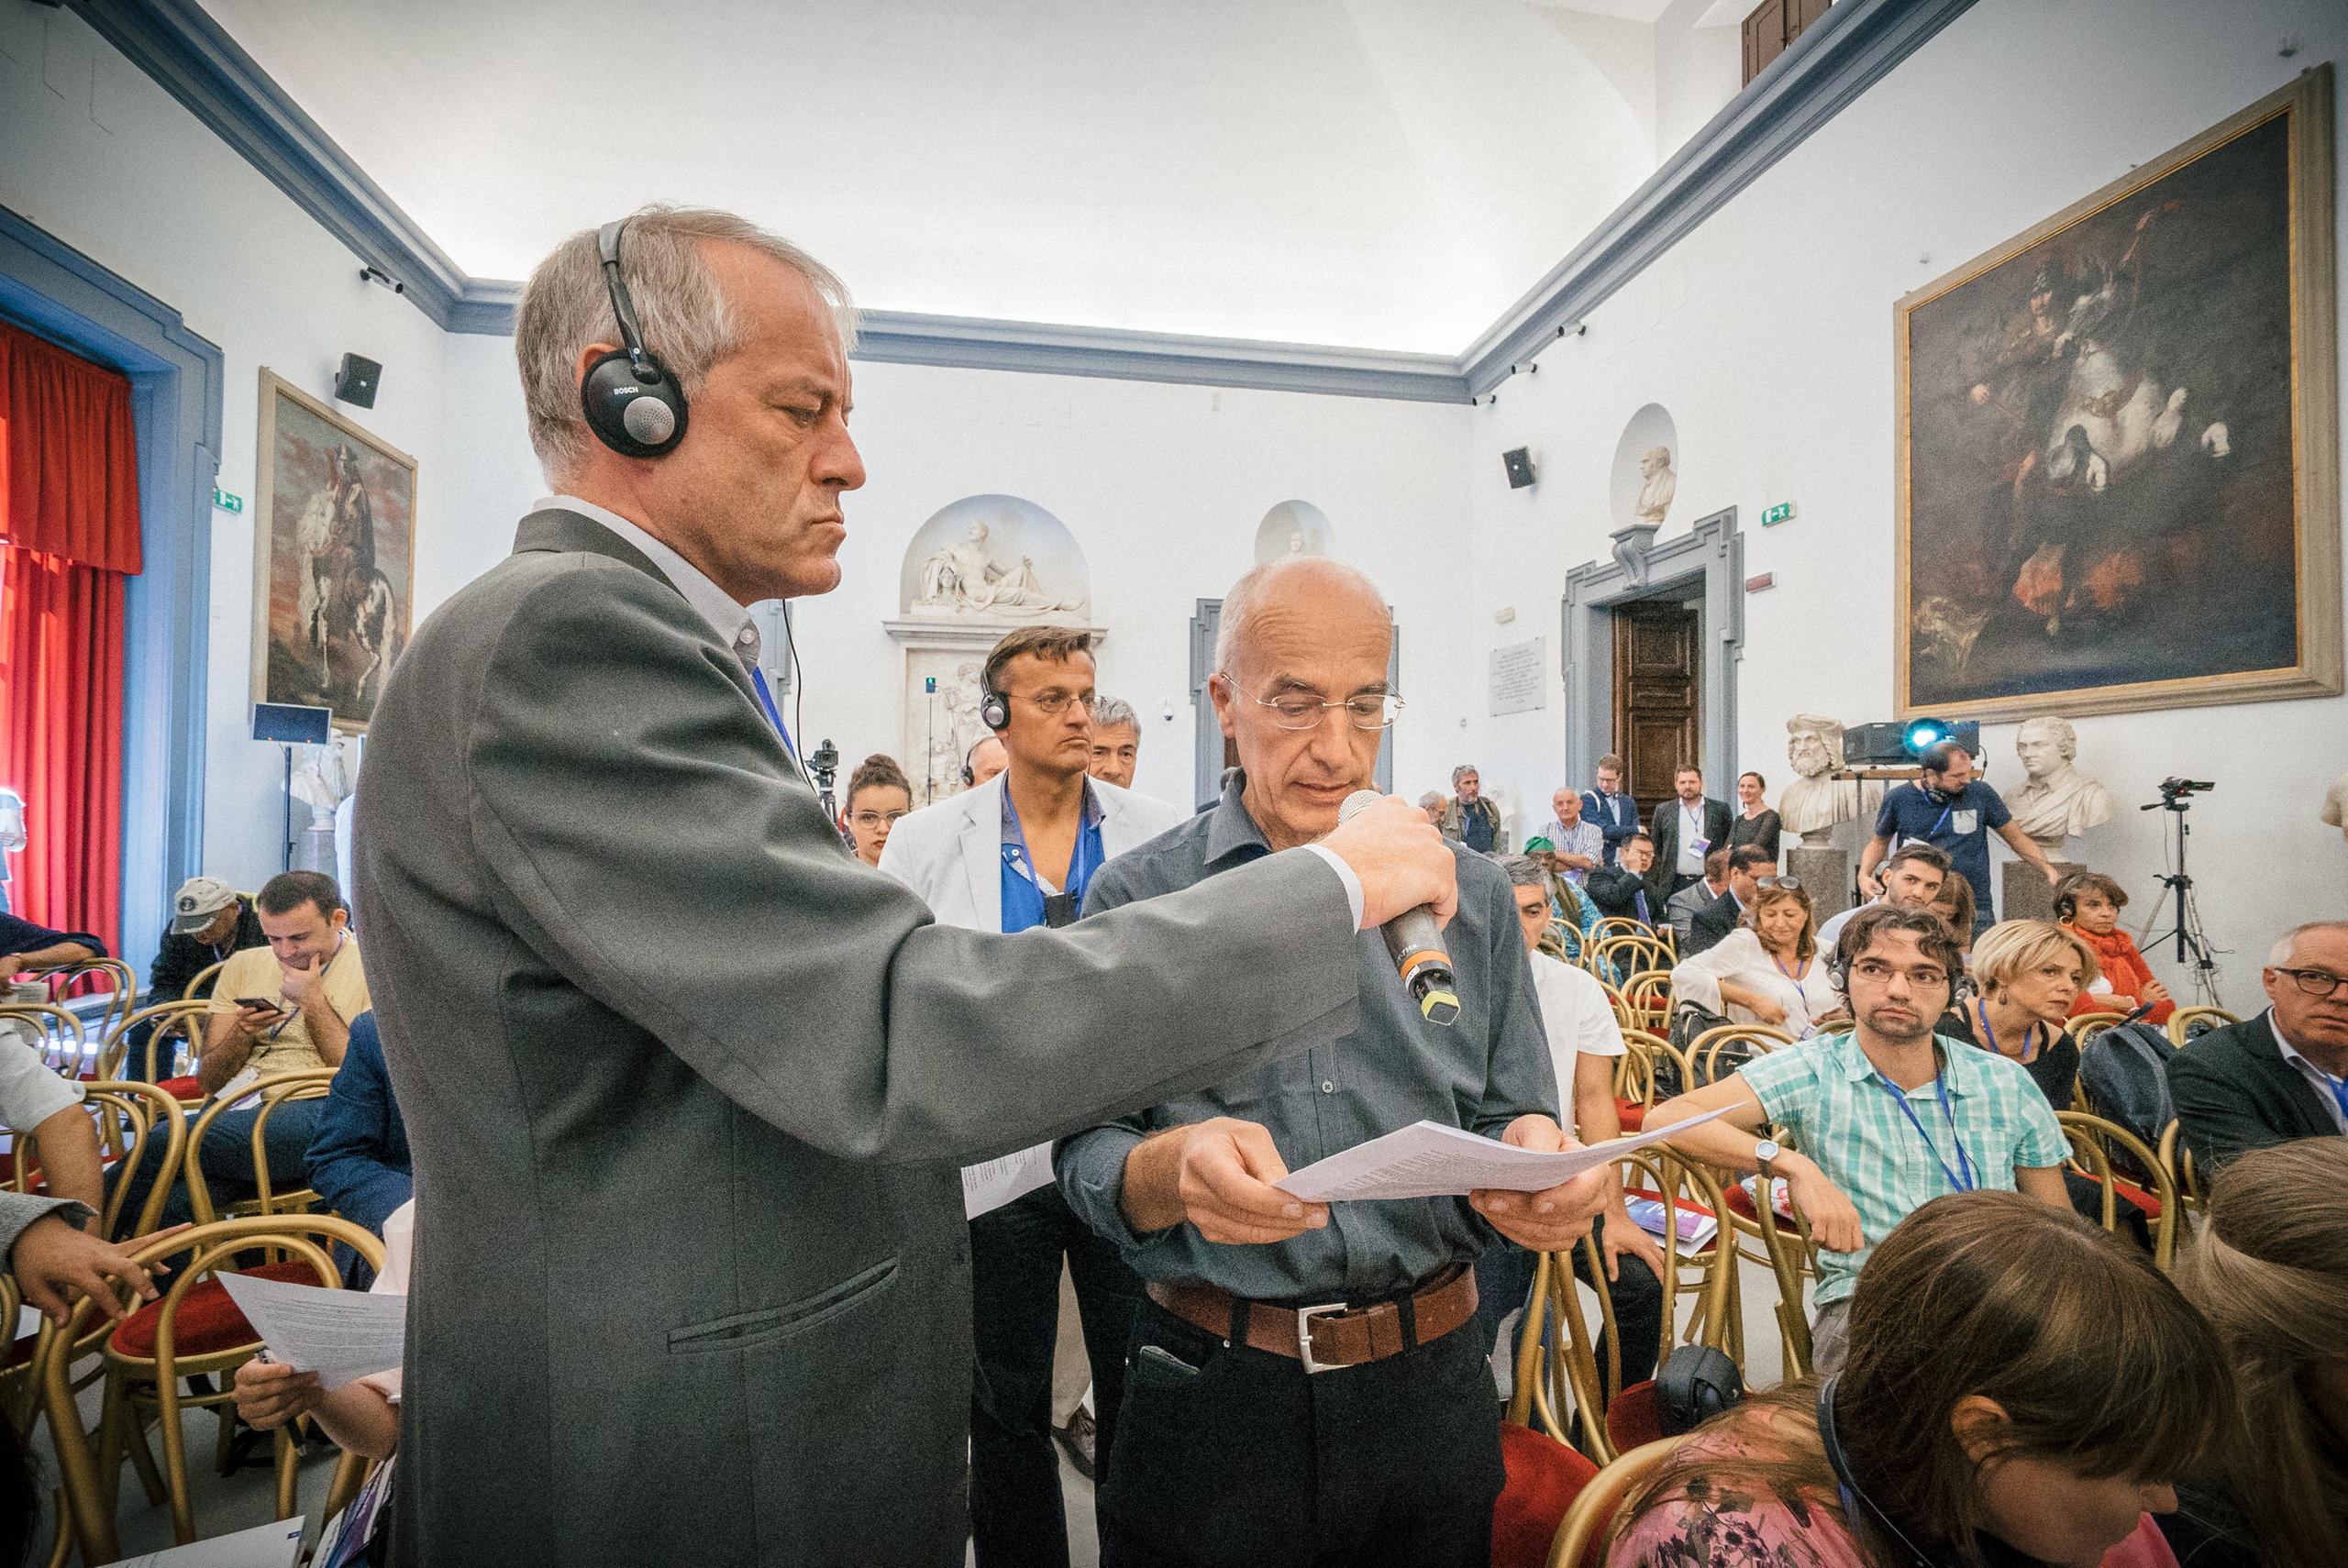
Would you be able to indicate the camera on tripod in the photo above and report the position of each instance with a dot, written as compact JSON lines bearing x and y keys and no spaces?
{"x":2174,"y":790}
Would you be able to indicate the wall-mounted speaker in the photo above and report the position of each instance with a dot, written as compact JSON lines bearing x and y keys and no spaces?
{"x":356,"y":382}
{"x":1519,"y":463}
{"x":292,"y":723}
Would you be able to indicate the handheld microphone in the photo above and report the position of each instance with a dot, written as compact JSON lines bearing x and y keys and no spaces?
{"x":1415,"y":943}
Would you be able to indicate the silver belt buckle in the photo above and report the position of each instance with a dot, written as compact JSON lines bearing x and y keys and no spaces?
{"x":1304,"y":1316}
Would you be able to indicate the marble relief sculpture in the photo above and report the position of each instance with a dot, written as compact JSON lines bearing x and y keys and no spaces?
{"x":964,"y":579}
{"x":1813,"y":802}
{"x":2335,"y":805}
{"x":1660,"y":485}
{"x":2059,"y":801}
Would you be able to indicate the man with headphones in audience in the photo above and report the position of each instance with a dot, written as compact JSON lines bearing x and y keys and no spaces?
{"x":1955,"y":810}
{"x":688,"y":1084}
{"x":985,"y":759}
{"x":1887,"y":1117}
{"x":1013,"y":854}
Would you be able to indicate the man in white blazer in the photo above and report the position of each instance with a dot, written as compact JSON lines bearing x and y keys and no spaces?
{"x":1008,"y":855}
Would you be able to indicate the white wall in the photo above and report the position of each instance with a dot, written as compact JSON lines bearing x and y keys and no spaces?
{"x":1768,"y":335}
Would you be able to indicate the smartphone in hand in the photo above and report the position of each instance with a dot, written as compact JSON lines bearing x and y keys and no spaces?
{"x":259,"y":1004}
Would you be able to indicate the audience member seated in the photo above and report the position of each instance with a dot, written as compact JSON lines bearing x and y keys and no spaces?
{"x":210,"y":923}
{"x":1754,"y":823}
{"x":1619,"y":891}
{"x":2020,"y":1390}
{"x":1616,"y":814}
{"x":1469,"y":818}
{"x":1574,"y":919}
{"x":2270,"y":1272}
{"x":2089,"y":902}
{"x":362,"y":1418}
{"x":1954,"y":903}
{"x":879,"y":797}
{"x":1886,"y":1117}
{"x":2279,"y":1076}
{"x":1769,"y":970}
{"x":36,"y":1099}
{"x":1749,"y":870}
{"x":1584,"y":1044}
{"x":1435,"y":803}
{"x":1910,"y":879}
{"x":2027,"y":972}
{"x":1576,"y":846}
{"x":283,"y":1009}
{"x":1117,"y":742}
{"x":24,"y":946}
{"x":985,"y":759}
{"x":1682,"y":905}
{"x":359,"y":1157}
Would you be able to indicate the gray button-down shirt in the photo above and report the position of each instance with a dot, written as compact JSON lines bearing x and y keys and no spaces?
{"x":1490,"y":1068}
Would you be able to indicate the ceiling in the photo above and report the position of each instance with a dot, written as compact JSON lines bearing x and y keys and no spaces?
{"x":1370,"y":174}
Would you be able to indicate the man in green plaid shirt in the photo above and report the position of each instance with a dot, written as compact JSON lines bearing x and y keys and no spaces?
{"x":1887,"y":1117}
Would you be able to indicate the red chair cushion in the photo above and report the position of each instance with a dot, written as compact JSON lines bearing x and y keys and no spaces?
{"x":209,"y":1320}
{"x":1635,"y":1417}
{"x":1544,"y":1476}
{"x":2129,"y":1193}
{"x":1736,"y":1197}
{"x":182,"y":1089}
{"x":1631,"y":1115}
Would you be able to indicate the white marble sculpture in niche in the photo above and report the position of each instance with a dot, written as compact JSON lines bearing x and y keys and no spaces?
{"x":1813,"y":802}
{"x":2059,"y":801}
{"x":965,"y":580}
{"x":1658,"y":485}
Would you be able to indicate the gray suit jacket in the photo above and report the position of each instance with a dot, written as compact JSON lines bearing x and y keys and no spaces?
{"x":687,"y":1086}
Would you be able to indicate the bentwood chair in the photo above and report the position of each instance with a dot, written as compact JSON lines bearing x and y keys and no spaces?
{"x":1620,"y":926}
{"x":1629,"y":954}
{"x":54,"y":1033}
{"x":2176,"y":1157}
{"x":120,"y":987}
{"x":1592,"y":1513}
{"x":1716,"y":1053}
{"x":273,"y":1091}
{"x":2092,"y":1142}
{"x":1635,"y":1075}
{"x":2088,"y":1025}
{"x":194,"y":1328}
{"x":2188,"y":1024}
{"x":173,"y":1021}
{"x":1648,"y":995}
{"x":1556,"y":1367}
{"x":200,"y":987}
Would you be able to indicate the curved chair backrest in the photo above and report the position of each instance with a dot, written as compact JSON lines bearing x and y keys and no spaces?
{"x":1693,"y":1184}
{"x":130,"y":1116}
{"x":1648,"y":993}
{"x":1629,"y":954}
{"x":1704,"y":1064}
{"x":1556,"y":1366}
{"x":2188,"y":1024}
{"x":2176,"y":1156}
{"x":201,"y":986}
{"x":1635,"y":1069}
{"x":120,"y":987}
{"x":2085,"y":1026}
{"x":1625,"y":1015}
{"x":1790,"y":1258}
{"x":51,"y":1031}
{"x":1585,"y":1524}
{"x":171,"y":1019}
{"x":1620,"y":926}
{"x":2090,"y":1137}
{"x":273,"y":1091}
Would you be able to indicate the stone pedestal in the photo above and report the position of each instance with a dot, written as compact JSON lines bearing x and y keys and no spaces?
{"x":2027,"y":895}
{"x":1825,"y":873}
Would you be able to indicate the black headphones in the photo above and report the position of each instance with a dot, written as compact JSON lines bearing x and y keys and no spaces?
{"x":1853,"y":1496}
{"x":1695,"y":1384}
{"x":632,"y":403}
{"x":995,"y":710}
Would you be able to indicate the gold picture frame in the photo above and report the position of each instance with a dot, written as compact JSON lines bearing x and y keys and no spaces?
{"x":2112,"y":498}
{"x":334,"y":557}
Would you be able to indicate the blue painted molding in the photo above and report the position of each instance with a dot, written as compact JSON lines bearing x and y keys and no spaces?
{"x":1843,"y":54}
{"x":177,"y":392}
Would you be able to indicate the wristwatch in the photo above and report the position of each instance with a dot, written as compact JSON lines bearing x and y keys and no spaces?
{"x":1765,"y":1153}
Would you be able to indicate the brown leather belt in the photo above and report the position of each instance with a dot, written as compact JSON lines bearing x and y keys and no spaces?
{"x":1326,"y":1337}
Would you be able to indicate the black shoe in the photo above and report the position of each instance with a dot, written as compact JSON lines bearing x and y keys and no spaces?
{"x":1075,"y":1441}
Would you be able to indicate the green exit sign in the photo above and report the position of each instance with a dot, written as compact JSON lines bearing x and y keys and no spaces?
{"x":1781,"y":513}
{"x":227,"y":501}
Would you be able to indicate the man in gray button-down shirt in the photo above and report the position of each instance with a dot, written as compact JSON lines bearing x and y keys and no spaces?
{"x":1235,"y":1454}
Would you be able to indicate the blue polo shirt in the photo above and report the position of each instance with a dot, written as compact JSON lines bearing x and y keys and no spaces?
{"x":1960,"y":826}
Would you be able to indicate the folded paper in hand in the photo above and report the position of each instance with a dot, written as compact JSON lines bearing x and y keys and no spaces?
{"x":263,"y":1546}
{"x":987,"y":1188}
{"x":1427,"y":1159}
{"x":341,"y":1335}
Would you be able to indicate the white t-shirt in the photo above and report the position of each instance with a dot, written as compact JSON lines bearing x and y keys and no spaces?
{"x":30,"y":1090}
{"x":1579,"y":1020}
{"x":399,"y":1245}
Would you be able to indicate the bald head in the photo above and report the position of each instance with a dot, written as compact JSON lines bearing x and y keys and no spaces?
{"x":1276,"y":599}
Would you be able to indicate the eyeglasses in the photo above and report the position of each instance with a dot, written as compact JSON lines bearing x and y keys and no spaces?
{"x":1052,"y":704}
{"x":2316,"y":982}
{"x":877,"y":819}
{"x":1302,"y":711}
{"x":1924,"y":979}
{"x":1791,"y":884}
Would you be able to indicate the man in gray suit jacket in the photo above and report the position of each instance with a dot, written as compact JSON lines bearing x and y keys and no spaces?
{"x":685,"y":1083}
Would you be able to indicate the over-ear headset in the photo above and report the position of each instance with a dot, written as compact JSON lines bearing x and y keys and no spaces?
{"x":632,"y":403}
{"x":1852,"y":1495}
{"x":995,"y":710}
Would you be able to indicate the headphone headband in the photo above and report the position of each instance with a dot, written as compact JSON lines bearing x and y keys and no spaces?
{"x":1852,"y":1495}
{"x":632,"y":403}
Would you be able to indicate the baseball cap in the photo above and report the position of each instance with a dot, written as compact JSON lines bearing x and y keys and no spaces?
{"x":201,"y":900}
{"x":1539,"y":846}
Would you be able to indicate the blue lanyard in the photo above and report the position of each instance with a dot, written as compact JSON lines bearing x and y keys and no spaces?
{"x":1020,"y":863}
{"x":766,"y":701}
{"x":1964,"y":1183}
{"x":2339,"y":1087}
{"x":2028,"y":1055}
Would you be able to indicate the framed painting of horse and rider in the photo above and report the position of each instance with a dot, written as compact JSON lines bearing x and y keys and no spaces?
{"x":2118,"y":449}
{"x":334,"y":557}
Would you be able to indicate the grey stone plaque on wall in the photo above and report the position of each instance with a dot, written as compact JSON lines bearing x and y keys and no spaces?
{"x":1519,"y":683}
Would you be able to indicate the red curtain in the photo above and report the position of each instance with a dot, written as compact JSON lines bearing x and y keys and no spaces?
{"x":69,"y":537}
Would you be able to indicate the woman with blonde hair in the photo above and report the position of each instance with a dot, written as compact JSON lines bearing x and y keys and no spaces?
{"x":2028,"y":972}
{"x":1769,"y":970}
{"x":2021,"y":1389}
{"x":2270,"y":1272}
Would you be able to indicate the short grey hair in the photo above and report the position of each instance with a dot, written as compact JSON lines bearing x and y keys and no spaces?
{"x":1522,"y":870}
{"x":688,"y":323}
{"x":1241,"y":605}
{"x":2287,"y":943}
{"x":1462,"y":771}
{"x":1109,"y":713}
{"x":1432,"y":797}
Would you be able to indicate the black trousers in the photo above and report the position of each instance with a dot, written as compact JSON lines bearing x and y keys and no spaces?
{"x":1238,"y":1457}
{"x":1504,"y":1278}
{"x":1017,"y":1517}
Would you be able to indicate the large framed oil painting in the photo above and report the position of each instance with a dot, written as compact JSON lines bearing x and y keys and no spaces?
{"x":334,"y":557}
{"x":2118,"y":450}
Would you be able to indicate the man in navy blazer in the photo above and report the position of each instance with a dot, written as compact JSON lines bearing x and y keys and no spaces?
{"x":2280,"y":1076}
{"x":359,"y":1159}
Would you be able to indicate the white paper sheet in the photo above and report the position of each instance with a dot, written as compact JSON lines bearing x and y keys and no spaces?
{"x":341,"y":1335}
{"x":1427,"y":1159}
{"x":277,"y":1545}
{"x":997,"y":1182}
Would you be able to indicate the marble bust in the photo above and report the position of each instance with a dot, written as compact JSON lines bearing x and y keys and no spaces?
{"x":964,"y":579}
{"x":2059,"y":801}
{"x":1659,"y":485}
{"x":2335,"y":805}
{"x":1813,"y":803}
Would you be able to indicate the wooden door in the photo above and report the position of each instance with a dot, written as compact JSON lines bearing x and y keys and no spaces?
{"x":1656,"y":697}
